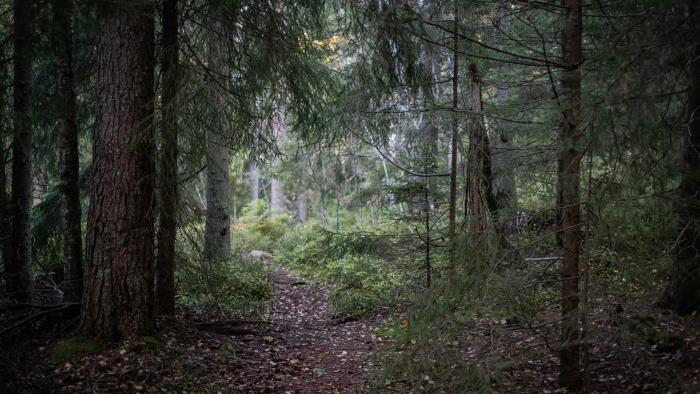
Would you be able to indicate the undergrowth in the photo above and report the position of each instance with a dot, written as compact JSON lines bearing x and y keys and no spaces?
{"x":363,"y":275}
{"x":71,"y":348}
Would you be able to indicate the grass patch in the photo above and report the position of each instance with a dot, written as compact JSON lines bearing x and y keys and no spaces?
{"x":71,"y":348}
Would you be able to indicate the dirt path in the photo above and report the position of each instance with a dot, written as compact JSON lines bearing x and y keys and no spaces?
{"x":303,"y":349}
{"x":325,"y":354}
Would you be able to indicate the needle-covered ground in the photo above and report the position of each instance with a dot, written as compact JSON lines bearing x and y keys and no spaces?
{"x":303,"y":348}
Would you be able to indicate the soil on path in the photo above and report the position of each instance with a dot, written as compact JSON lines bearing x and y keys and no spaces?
{"x":329,"y":354}
{"x":303,"y":349}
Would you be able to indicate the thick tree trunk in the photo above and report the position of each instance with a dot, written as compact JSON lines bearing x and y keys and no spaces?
{"x":167,"y":219}
{"x":570,"y":134}
{"x":683,"y":292}
{"x":118,"y":300}
{"x":18,"y":268}
{"x":217,"y":234}
{"x":69,"y":152}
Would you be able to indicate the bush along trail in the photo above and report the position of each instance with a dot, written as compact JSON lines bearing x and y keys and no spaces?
{"x":302,"y":348}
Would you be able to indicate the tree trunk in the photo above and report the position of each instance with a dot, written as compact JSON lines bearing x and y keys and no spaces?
{"x":454,"y":142}
{"x":5,"y":250}
{"x":570,"y":135}
{"x":254,"y":179}
{"x":167,"y":225}
{"x":683,"y":292}
{"x":217,"y":234}
{"x":118,"y":300}
{"x":18,"y":268}
{"x":479,"y":196}
{"x":69,"y":152}
{"x":277,"y":199}
{"x":503,"y":177}
{"x":302,"y":206}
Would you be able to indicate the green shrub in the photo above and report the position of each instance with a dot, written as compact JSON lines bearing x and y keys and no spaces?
{"x":235,"y":288}
{"x":362,"y":278}
{"x":256,"y":230}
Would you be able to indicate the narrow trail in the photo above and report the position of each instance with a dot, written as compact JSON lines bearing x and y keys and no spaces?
{"x":302,"y":349}
{"x":308,"y":350}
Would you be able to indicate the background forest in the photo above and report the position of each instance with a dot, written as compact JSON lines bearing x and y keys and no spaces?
{"x":346,"y":196}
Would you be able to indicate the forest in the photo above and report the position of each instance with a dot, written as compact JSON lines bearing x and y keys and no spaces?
{"x":345,"y":196}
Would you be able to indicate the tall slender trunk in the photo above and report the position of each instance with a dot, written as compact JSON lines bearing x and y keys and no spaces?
{"x":302,"y":205}
{"x":479,"y":197}
{"x":570,"y":135}
{"x":683,"y":292}
{"x":19,"y":266}
{"x":454,"y":141}
{"x":4,"y":200}
{"x":167,"y":222}
{"x":69,"y":151}
{"x":254,"y":179}
{"x":277,"y":199}
{"x":217,"y":234}
{"x":118,"y":300}
{"x":503,"y":176}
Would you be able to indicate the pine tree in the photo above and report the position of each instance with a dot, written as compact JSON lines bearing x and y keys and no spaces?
{"x":118,"y":299}
{"x":68,"y":146}
{"x":19,"y":266}
{"x":569,"y":175}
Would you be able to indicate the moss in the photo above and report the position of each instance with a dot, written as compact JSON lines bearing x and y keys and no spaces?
{"x":71,"y":348}
{"x":151,"y":343}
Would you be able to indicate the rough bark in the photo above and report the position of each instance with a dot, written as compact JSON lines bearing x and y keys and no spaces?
{"x":69,"y":152}
{"x":570,"y":135}
{"x":118,"y":301}
{"x":683,"y":292}
{"x":217,"y":234}
{"x":167,"y":218}
{"x":18,"y":268}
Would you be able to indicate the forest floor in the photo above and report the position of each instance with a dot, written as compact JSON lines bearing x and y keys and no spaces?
{"x":303,"y":348}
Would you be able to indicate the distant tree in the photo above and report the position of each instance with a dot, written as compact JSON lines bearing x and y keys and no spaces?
{"x":69,"y":151}
{"x":454,"y":139}
{"x":277,"y":198}
{"x":118,"y":299}
{"x":18,"y":267}
{"x":167,"y":225}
